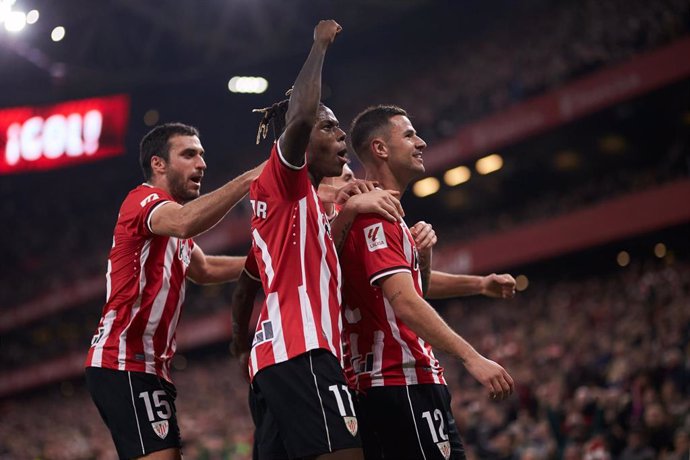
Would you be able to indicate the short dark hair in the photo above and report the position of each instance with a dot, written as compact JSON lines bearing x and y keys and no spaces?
{"x":156,"y":143}
{"x":366,"y":124}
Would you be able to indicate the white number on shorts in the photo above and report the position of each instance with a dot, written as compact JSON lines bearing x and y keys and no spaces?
{"x":441,"y":426}
{"x":163,"y":414}
{"x":339,"y":399}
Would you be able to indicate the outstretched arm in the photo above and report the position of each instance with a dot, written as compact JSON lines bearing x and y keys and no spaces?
{"x":205,"y":269}
{"x":201,"y":214}
{"x":444,"y":285}
{"x":419,"y":316}
{"x":306,"y":95}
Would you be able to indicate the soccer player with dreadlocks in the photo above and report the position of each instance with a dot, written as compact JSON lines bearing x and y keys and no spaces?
{"x":303,"y":407}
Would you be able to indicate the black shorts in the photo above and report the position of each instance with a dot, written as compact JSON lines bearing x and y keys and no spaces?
{"x":138,"y":408}
{"x":302,"y":408}
{"x":409,"y":422}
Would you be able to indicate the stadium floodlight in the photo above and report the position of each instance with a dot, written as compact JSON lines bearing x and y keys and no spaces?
{"x":5,"y":9}
{"x":57,"y":34}
{"x":252,"y":85}
{"x":489,"y":164}
{"x":425,"y":187}
{"x":15,"y":21}
{"x":32,"y":17}
{"x":457,"y":176}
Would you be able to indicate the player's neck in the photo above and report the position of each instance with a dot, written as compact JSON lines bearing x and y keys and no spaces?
{"x":315,"y":179}
{"x":386,"y":179}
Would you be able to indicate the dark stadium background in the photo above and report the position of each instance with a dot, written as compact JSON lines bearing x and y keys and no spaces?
{"x":587,"y":103}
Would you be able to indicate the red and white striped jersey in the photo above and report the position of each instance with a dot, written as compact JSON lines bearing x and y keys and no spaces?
{"x":145,"y":287}
{"x":299,"y":267}
{"x":385,"y":352}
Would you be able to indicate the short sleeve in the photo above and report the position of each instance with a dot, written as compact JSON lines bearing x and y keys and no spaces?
{"x":378,"y":244}
{"x":139,"y":206}
{"x":281,"y":179}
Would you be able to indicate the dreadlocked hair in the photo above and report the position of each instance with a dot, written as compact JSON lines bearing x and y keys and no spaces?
{"x":276,"y":114}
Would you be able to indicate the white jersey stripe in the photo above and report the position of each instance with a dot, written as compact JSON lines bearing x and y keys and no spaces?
{"x":324,"y":281}
{"x":377,"y":370}
{"x":171,"y":342}
{"x":158,"y":306}
{"x":108,"y":279}
{"x":122,"y":351}
{"x":434,"y":370}
{"x":408,"y":361}
{"x":253,"y":362}
{"x":273,"y":308}
{"x":308,"y":326}
{"x":407,"y":247}
{"x":108,"y":320}
{"x":265,"y":256}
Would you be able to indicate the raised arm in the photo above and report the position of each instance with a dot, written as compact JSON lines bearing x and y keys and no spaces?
{"x":419,"y":316}
{"x":203,"y":213}
{"x":306,"y":96}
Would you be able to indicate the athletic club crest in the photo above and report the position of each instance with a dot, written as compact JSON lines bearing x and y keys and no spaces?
{"x":161,"y":428}
{"x":444,"y":447}
{"x":351,"y":424}
{"x":184,"y":251}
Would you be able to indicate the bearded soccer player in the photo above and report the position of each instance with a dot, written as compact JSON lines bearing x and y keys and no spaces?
{"x":403,"y":400}
{"x":128,"y":364}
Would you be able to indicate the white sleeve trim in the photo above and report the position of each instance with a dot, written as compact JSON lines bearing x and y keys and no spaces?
{"x":154,"y":209}
{"x":378,"y":276}
{"x":285,"y":162}
{"x":246,"y":272}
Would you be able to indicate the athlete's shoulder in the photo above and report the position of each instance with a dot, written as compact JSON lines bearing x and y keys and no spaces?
{"x":363,"y":221}
{"x":144,"y":194}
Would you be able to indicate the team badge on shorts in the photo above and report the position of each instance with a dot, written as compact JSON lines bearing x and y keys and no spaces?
{"x":444,"y":447}
{"x":161,"y":428}
{"x":351,"y":424}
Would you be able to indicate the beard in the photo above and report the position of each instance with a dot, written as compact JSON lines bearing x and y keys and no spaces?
{"x":178,"y":188}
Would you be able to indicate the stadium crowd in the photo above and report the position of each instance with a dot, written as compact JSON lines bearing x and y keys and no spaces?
{"x":543,"y":48}
{"x":601,"y":365}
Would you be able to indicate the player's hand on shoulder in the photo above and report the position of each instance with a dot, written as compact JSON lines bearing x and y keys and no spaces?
{"x":498,"y":286}
{"x":377,"y":201}
{"x":424,"y":235}
{"x":356,"y":187}
{"x":326,"y":30}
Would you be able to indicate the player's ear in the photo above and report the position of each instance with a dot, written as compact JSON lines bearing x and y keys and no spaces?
{"x":379,"y":148}
{"x":158,"y":164}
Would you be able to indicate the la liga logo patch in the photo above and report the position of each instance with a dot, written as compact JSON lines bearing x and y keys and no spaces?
{"x":375,"y":237}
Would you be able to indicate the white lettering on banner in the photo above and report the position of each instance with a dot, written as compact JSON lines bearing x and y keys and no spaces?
{"x":72,"y":135}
